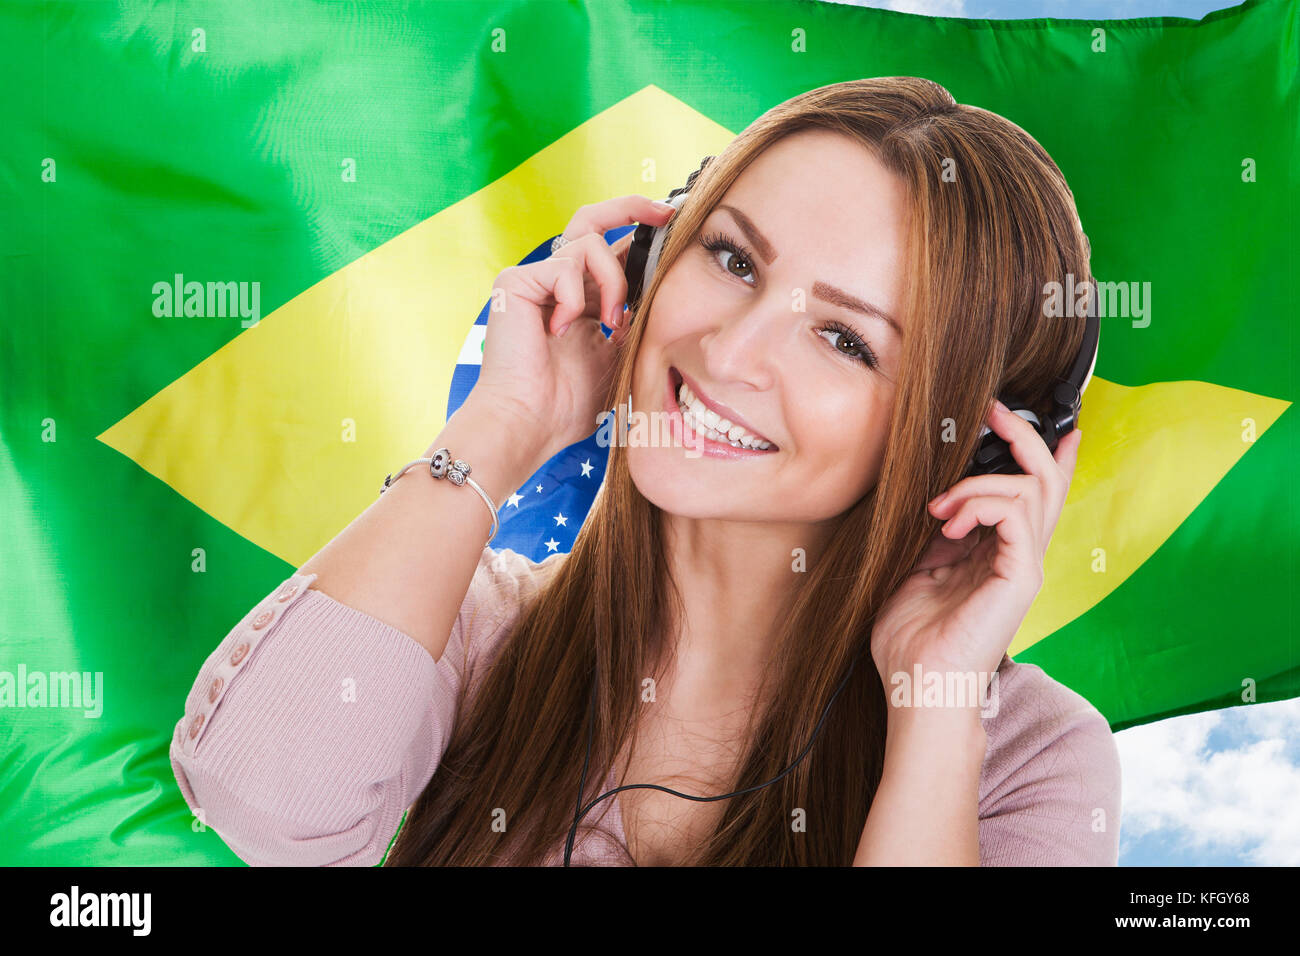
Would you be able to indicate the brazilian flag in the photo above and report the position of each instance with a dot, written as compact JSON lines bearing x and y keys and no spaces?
{"x":244,"y":246}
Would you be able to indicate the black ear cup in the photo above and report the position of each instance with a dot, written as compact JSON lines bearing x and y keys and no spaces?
{"x":647,"y":241}
{"x":634,"y":268}
{"x":993,"y":455}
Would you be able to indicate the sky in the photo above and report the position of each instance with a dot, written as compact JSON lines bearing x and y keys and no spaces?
{"x":1221,"y":788}
{"x":1065,"y":9}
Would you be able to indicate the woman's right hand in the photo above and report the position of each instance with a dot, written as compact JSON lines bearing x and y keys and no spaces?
{"x":546,"y":361}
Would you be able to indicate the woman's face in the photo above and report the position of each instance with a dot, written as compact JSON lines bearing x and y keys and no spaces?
{"x":784,"y":338}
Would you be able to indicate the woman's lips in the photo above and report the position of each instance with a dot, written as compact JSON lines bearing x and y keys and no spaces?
{"x":707,"y":447}
{"x":717,"y":407}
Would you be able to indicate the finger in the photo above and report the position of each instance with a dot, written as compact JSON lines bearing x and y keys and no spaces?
{"x":1067,"y":453}
{"x":593,"y":256}
{"x":1067,"y":456}
{"x":1028,"y":449}
{"x":553,"y":285}
{"x":1022,"y":487}
{"x":940,"y":552}
{"x":569,"y":291}
{"x":1007,"y":516}
{"x":620,"y":211}
{"x":1010,"y":485}
{"x":619,"y":248}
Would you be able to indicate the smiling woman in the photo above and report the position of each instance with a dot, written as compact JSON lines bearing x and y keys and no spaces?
{"x":858,"y":268}
{"x":838,"y":299}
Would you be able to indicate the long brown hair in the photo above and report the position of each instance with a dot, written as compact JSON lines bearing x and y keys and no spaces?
{"x":991,"y":221}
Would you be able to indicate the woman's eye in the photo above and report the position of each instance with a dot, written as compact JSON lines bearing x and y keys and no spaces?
{"x":737,"y":265}
{"x":736,"y":261}
{"x":846,"y":342}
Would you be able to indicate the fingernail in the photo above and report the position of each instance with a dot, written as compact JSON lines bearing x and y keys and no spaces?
{"x":997,"y":403}
{"x":941,"y":496}
{"x":664,"y":206}
{"x":560,"y":334}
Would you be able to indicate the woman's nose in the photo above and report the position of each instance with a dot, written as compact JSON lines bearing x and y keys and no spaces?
{"x":740,"y":348}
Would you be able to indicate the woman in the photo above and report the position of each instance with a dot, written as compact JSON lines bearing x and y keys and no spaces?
{"x":848,"y":285}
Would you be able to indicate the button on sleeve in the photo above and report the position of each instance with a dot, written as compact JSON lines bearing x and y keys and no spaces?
{"x":311,"y":728}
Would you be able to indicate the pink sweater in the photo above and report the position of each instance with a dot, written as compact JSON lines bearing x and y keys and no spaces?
{"x":313,"y":726}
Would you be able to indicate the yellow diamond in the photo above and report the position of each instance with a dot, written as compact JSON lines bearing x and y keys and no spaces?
{"x":254,"y":435}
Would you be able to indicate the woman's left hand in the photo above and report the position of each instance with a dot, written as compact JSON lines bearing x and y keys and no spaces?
{"x":963,"y":603}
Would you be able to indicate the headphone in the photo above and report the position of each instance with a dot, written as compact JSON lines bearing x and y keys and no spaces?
{"x":992,"y":456}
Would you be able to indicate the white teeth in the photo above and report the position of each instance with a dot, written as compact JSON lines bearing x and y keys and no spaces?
{"x":707,"y":423}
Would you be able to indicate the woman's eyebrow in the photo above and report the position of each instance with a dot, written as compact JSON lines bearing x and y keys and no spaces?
{"x":756,"y":238}
{"x":828,"y":293}
{"x":820,"y":290}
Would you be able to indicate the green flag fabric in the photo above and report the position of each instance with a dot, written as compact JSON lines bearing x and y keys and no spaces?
{"x":244,"y":245}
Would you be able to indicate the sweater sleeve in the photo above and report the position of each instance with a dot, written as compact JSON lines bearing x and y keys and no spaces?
{"x":313,"y":726}
{"x":1051,"y":790}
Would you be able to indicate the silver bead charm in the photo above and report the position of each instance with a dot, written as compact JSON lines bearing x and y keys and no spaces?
{"x":459,"y":471}
{"x":440,"y":463}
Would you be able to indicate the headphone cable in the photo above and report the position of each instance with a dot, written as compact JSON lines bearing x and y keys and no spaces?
{"x":581,"y":812}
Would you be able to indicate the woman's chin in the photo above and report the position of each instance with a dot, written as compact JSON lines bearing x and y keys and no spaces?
{"x":673,"y":483}
{"x":685,"y":489}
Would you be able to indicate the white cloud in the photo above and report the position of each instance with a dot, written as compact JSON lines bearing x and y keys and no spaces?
{"x":929,"y":8}
{"x":1220,"y":781}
